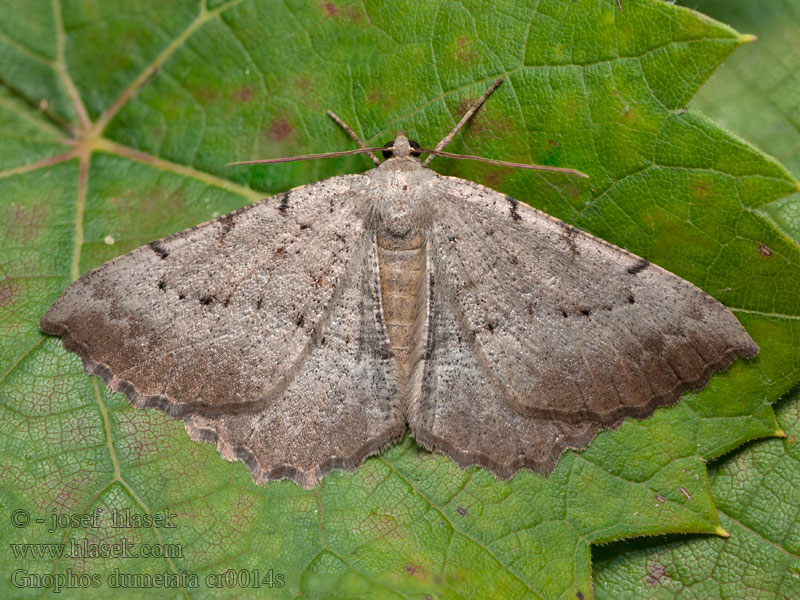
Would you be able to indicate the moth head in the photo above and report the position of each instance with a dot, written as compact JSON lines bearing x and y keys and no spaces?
{"x":401,"y":147}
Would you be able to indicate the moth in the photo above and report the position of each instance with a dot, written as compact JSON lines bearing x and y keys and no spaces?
{"x":306,"y":332}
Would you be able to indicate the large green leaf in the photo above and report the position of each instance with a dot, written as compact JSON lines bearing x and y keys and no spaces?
{"x":756,"y":488}
{"x":117,"y":121}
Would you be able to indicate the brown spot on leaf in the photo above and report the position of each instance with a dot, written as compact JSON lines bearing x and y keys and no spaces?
{"x":329,"y":8}
{"x":244,"y":94}
{"x":350,"y":12}
{"x":279,"y":129}
{"x":9,"y":291}
{"x":702,"y":190}
{"x":483,"y":123}
{"x":304,"y":83}
{"x":207,"y":94}
{"x":23,"y":223}
{"x":464,"y":52}
{"x":655,"y":573}
{"x":494,"y":179}
{"x":765,"y":250}
{"x":377,"y":96}
{"x":570,"y":190}
{"x":629,"y":114}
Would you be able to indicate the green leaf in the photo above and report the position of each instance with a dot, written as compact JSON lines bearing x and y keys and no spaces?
{"x":119,"y":121}
{"x":756,"y":487}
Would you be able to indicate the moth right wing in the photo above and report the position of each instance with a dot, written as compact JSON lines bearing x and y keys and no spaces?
{"x":457,"y":408}
{"x":540,"y":335}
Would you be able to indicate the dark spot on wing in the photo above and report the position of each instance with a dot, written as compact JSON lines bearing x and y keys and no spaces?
{"x":765,"y":250}
{"x":226,"y":224}
{"x":513,"y":203}
{"x":640,"y":266}
{"x":243,"y":454}
{"x":206,"y":300}
{"x":569,"y":234}
{"x":159,"y":248}
{"x":124,"y":387}
{"x":284,"y":203}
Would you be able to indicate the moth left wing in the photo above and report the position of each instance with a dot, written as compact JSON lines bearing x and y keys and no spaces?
{"x":340,"y":407}
{"x":261,"y":328}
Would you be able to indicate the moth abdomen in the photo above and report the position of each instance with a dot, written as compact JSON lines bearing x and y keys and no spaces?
{"x":401,"y":263}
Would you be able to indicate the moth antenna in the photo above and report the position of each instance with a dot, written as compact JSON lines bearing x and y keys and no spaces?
{"x":449,"y":137}
{"x":265,"y":161}
{"x":353,"y":135}
{"x":504,"y":163}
